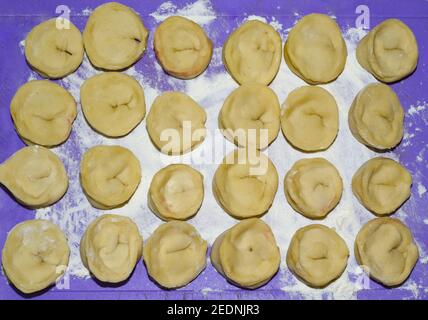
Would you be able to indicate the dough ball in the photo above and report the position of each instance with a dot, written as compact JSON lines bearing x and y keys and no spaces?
{"x":176,"y":192}
{"x":113,"y":103}
{"x":386,"y":250}
{"x":250,"y":116}
{"x":389,"y":52}
{"x":175,"y":254}
{"x":317,"y":255}
{"x":246,"y":254}
{"x":54,"y":52}
{"x":176,"y":123}
{"x":111,"y":247}
{"x":382,"y":185}
{"x":315,"y":50}
{"x":109,"y":176}
{"x":35,"y":255}
{"x":310,"y":118}
{"x":114,"y":37}
{"x":313,"y":187}
{"x":35,"y":176}
{"x":245,"y":183}
{"x":43,"y":113}
{"x":376,"y":117}
{"x":182,"y":47}
{"x":252,"y":53}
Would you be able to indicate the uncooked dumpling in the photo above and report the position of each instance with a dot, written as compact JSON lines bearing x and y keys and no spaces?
{"x":313,"y":187}
{"x":389,"y":51}
{"x":246,"y":254}
{"x":250,"y":116}
{"x":35,"y":255}
{"x":54,"y":52}
{"x":315,"y":50}
{"x":109,"y":176}
{"x":113,"y":103}
{"x":111,"y":247}
{"x":245,"y":183}
{"x":43,"y":113}
{"x":176,"y":123}
{"x":386,"y":250}
{"x":176,"y":192}
{"x":35,"y":176}
{"x":114,"y":36}
{"x":317,"y":255}
{"x":376,"y":117}
{"x":182,"y":47}
{"x":382,"y":185}
{"x":175,"y":254}
{"x":310,"y":118}
{"x":252,"y":53}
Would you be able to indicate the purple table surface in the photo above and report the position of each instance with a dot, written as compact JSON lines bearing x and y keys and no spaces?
{"x":18,"y":17}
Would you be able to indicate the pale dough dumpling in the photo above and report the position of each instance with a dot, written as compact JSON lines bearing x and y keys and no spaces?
{"x":382,"y":185}
{"x":315,"y":50}
{"x":113,"y":103}
{"x":54,"y":52}
{"x":114,"y":36}
{"x":175,"y":254}
{"x":247,"y":254}
{"x":35,"y":176}
{"x":245,"y":183}
{"x":176,"y":192}
{"x":43,"y":113}
{"x":250,"y":116}
{"x":385,"y":249}
{"x":182,"y":47}
{"x":389,"y":51}
{"x":176,"y":123}
{"x":310,"y":118}
{"x":109,"y":176}
{"x":376,"y":117}
{"x":313,"y":187}
{"x":252,"y":53}
{"x":35,"y":255}
{"x":317,"y":255}
{"x":111,"y":247}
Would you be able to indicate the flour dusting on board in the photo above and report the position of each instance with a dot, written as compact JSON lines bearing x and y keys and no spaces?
{"x":73,"y":213}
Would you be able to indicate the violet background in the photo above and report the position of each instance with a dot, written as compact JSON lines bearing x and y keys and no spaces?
{"x":18,"y":17}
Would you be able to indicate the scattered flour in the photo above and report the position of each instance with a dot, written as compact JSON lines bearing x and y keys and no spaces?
{"x":421,"y":189}
{"x":200,"y":11}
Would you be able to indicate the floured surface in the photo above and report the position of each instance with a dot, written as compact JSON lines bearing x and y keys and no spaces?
{"x":73,"y":213}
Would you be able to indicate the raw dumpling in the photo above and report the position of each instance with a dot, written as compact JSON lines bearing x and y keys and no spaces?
{"x":252,"y":53}
{"x":317,"y":255}
{"x":52,"y":51}
{"x":245,"y":183}
{"x":111,"y":247}
{"x":246,"y":254}
{"x":35,"y":176}
{"x":176,"y":123}
{"x":389,"y":51}
{"x":35,"y":255}
{"x":114,"y":36}
{"x":182,"y":47}
{"x":376,"y":117}
{"x":43,"y":113}
{"x":385,"y":249}
{"x":109,"y":176}
{"x":250,"y":116}
{"x":176,"y":192}
{"x":315,"y":50}
{"x":313,"y":187}
{"x":113,"y":103}
{"x":175,"y":254}
{"x":382,"y":185}
{"x":310,"y":118}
